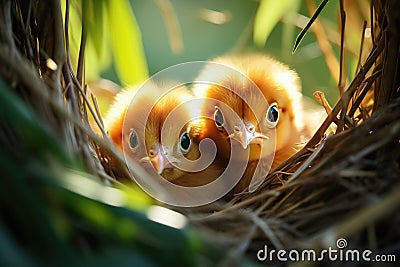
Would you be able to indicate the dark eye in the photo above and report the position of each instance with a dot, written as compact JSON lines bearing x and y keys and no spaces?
{"x":185,"y":142}
{"x":133,"y":140}
{"x":218,"y":117}
{"x":272,"y":116}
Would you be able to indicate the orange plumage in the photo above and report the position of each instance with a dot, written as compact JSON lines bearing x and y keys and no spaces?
{"x":254,"y":104}
{"x":255,"y":123}
{"x":163,"y":132}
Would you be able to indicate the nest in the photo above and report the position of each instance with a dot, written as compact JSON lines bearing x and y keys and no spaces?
{"x":340,"y":185}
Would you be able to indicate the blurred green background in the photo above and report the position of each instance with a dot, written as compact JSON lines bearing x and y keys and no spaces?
{"x":129,"y":40}
{"x":202,"y":38}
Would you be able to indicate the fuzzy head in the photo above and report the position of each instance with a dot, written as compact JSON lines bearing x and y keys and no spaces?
{"x":256,"y":99}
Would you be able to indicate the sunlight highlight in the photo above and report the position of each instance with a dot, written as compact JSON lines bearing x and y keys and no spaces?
{"x":167,"y":217}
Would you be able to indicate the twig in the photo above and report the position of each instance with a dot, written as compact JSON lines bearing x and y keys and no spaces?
{"x":100,"y":122}
{"x":307,"y":163}
{"x":172,"y":24}
{"x":266,"y":229}
{"x":363,"y":93}
{"x":372,"y":23}
{"x":361,"y":46}
{"x":349,"y":92}
{"x":363,"y":218}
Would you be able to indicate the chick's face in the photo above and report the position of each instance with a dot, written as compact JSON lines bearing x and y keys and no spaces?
{"x":244,"y":120}
{"x":281,"y":90}
{"x":261,"y":97}
{"x":169,"y":150}
{"x":155,"y":132}
{"x":133,"y":128}
{"x":169,"y":141}
{"x":255,"y":126}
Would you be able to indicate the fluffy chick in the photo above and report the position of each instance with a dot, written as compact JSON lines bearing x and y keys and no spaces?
{"x":256,"y":100}
{"x":174,"y":131}
{"x":163,"y":133}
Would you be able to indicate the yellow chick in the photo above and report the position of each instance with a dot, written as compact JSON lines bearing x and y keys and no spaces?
{"x":176,"y":128}
{"x":163,"y":133}
{"x":258,"y":104}
{"x":137,"y":102}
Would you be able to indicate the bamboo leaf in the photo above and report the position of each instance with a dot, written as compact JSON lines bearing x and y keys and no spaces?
{"x":126,"y":42}
{"x":94,"y":21}
{"x":268,"y":15}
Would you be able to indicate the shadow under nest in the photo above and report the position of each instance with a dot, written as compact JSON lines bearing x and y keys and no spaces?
{"x":341,"y":185}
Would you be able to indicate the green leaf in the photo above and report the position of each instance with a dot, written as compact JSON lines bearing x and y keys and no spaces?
{"x":126,"y":42}
{"x":268,"y":15}
{"x":313,"y":18}
{"x":98,"y":56}
{"x":94,"y":21}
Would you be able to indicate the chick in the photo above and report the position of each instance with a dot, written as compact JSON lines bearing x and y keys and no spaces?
{"x":258,"y":104}
{"x":174,"y":131}
{"x":163,"y":133}
{"x":137,"y":102}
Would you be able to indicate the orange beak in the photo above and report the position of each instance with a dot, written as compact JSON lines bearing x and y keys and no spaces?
{"x":245,"y":133}
{"x":157,"y":155}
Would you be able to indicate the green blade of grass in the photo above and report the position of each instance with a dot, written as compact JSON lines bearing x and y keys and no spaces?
{"x":303,"y":32}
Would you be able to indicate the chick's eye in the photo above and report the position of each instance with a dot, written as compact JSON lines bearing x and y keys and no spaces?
{"x":218,"y":117}
{"x":185,"y":142}
{"x":272,"y":116}
{"x":133,"y":140}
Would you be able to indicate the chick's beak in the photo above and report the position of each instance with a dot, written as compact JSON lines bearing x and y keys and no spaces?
{"x":157,"y":155}
{"x":245,"y":133}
